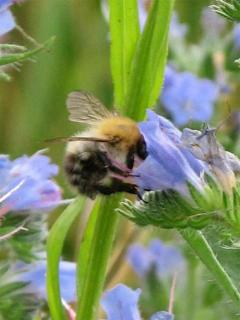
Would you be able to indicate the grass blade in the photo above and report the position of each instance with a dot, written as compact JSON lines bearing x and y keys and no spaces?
{"x":54,"y":249}
{"x":124,"y":28}
{"x":148,"y":65}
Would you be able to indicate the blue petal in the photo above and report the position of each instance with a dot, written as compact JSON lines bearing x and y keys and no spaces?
{"x":162,"y":315}
{"x":169,"y":164}
{"x":120,"y":303}
{"x":140,"y":259}
{"x":7,"y":22}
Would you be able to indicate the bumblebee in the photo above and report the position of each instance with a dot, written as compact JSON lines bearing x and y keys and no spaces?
{"x":100,"y":159}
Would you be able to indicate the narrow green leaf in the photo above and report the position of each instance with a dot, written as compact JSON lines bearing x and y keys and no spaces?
{"x":124,"y":28}
{"x":93,"y":256}
{"x":82,"y":265}
{"x":147,"y":72}
{"x":16,"y":57}
{"x":55,"y":243}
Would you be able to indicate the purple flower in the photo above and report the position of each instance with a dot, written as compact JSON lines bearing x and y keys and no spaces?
{"x":35,"y":275}
{"x":182,"y":96}
{"x":169,"y":164}
{"x":121,"y":303}
{"x":7,"y":22}
{"x":236,"y":36}
{"x":25,"y":183}
{"x":164,"y":259}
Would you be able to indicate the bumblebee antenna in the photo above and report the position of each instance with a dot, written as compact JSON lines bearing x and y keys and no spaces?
{"x":71,"y":139}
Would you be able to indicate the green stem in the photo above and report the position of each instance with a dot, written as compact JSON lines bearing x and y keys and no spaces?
{"x":200,"y":246}
{"x":94,"y":253}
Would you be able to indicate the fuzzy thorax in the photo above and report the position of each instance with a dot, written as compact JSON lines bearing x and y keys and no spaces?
{"x":120,"y":129}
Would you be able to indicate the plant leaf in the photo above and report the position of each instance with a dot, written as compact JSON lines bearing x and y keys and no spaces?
{"x":16,"y":57}
{"x":124,"y":29}
{"x":82,"y":266}
{"x":54,"y":249}
{"x":147,"y":72}
{"x":229,"y":9}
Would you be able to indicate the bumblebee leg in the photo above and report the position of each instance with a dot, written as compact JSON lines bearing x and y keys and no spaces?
{"x":117,"y":186}
{"x":127,"y":187}
{"x":108,"y":164}
{"x":106,"y":190}
{"x":121,"y":186}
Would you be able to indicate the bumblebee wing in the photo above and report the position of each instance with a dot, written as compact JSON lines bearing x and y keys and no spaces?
{"x":84,"y":107}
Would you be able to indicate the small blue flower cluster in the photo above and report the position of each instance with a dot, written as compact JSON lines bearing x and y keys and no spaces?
{"x":163,"y":259}
{"x":120,"y":302}
{"x":188,"y":98}
{"x":25,"y":184}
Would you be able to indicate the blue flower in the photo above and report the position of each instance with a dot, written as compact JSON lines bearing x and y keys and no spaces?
{"x":121,"y":303}
{"x":169,"y":164}
{"x":7,"y":22}
{"x":35,"y":275}
{"x":236,"y":36}
{"x":25,"y":183}
{"x":163,"y":259}
{"x":187,"y":97}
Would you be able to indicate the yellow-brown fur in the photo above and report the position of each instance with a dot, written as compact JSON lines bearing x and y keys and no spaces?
{"x":121,"y":129}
